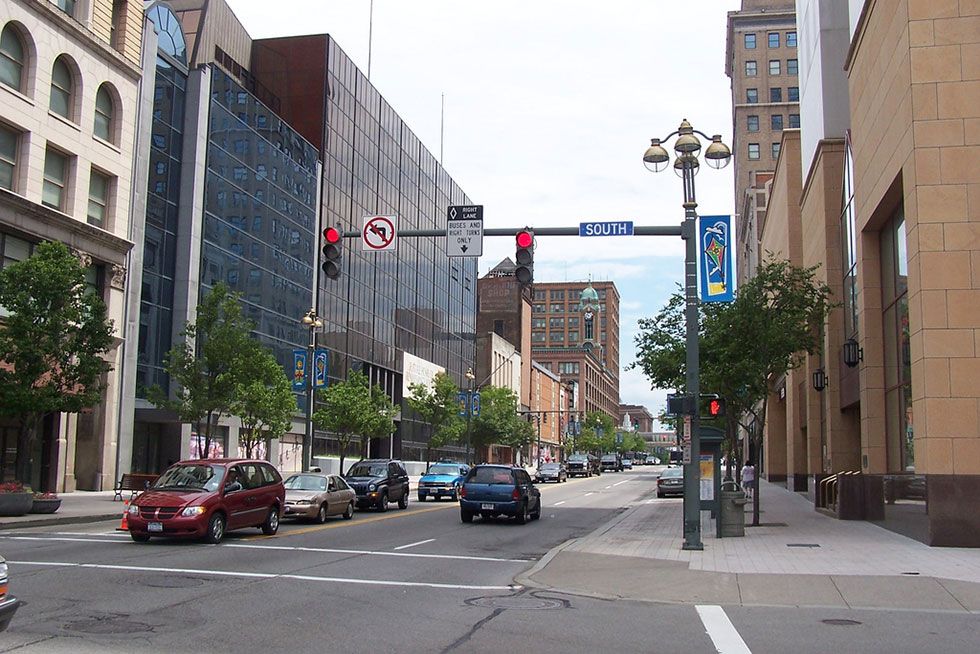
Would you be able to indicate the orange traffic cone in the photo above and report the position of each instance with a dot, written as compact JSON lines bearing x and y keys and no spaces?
{"x":124,"y":525}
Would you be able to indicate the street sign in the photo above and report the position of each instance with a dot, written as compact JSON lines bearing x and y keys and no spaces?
{"x":378,"y":234}
{"x":686,"y":441}
{"x":464,"y":231}
{"x":618,"y":228}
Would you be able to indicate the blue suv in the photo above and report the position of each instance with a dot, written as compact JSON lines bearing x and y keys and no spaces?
{"x":443,"y":479}
{"x":492,"y":490}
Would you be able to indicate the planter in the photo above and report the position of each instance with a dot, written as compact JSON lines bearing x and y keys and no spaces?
{"x":12,"y":504}
{"x":46,"y":506}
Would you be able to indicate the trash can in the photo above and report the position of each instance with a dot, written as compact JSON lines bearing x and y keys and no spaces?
{"x":732,"y":509}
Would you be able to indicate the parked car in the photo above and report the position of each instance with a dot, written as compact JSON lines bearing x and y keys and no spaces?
{"x":442,"y":479}
{"x":611,"y":463}
{"x":316,"y":496}
{"x":551,"y":472}
{"x":671,"y":482}
{"x":8,"y":603}
{"x":378,"y":482}
{"x":492,"y":490}
{"x":584,"y":465}
{"x":207,"y":498}
{"x":627,"y":464}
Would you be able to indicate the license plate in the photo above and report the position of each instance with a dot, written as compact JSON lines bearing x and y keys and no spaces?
{"x":486,"y":506}
{"x":154,"y":526}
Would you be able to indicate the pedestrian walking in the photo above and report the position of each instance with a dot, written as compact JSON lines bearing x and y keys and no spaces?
{"x":748,"y":478}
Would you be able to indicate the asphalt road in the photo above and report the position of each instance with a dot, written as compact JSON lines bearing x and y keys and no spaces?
{"x":416,"y":580}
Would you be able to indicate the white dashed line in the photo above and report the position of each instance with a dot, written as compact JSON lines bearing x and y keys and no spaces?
{"x":624,"y":481}
{"x":559,"y":503}
{"x":589,"y":493}
{"x":421,"y":542}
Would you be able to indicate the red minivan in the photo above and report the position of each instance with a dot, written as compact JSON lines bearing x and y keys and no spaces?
{"x":206,"y":498}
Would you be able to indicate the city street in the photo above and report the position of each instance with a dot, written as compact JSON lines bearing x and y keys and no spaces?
{"x":412,"y":581}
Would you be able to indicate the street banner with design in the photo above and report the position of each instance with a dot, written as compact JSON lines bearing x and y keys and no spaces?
{"x":320,"y":369}
{"x":299,"y":370}
{"x":463,"y":401}
{"x":714,"y":245}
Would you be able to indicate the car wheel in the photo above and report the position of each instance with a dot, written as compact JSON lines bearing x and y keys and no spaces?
{"x":455,"y":495}
{"x":521,"y":516}
{"x":140,"y":538}
{"x":321,"y":515}
{"x":660,"y":495}
{"x":465,"y":516}
{"x":403,"y":501}
{"x":216,"y":529}
{"x":422,"y":497}
{"x":271,"y":524}
{"x":383,"y":502}
{"x":349,"y":512}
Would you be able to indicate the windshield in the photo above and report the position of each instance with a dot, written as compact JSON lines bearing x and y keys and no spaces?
{"x":192,"y":476}
{"x":672,"y":472}
{"x":577,"y":457}
{"x":549,"y":466}
{"x":306,"y":483}
{"x":609,"y":457}
{"x":443,"y":470}
{"x":368,"y":470}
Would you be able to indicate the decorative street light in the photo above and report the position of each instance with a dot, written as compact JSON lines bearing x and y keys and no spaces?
{"x":313,"y":321}
{"x":469,"y":409}
{"x":687,"y":145}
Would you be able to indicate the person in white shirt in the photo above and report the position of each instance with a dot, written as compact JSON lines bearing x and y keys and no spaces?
{"x":748,"y":478}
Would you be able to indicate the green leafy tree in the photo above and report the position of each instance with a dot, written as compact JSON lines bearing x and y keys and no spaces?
{"x":53,"y":340}
{"x":437,"y":406}
{"x":381,"y":422}
{"x":598,"y":433}
{"x":206,"y":364}
{"x":263,"y":399}
{"x":347,"y":410}
{"x":498,"y":417}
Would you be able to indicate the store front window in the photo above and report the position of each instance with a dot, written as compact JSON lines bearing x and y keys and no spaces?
{"x":898,"y":360}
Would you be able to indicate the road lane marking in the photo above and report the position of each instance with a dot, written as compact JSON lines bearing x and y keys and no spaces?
{"x":589,"y":493}
{"x":58,"y":539}
{"x":353,"y":523}
{"x":421,"y":542}
{"x":624,"y":481}
{"x":721,"y":630}
{"x":265,"y":575}
{"x":608,"y":487}
{"x":415,"y":555}
{"x":559,"y":503}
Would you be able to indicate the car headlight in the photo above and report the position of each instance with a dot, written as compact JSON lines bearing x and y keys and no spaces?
{"x":192,"y":511}
{"x":303,"y":502}
{"x":133,"y":509}
{"x":372,"y":487}
{"x":3,"y":570}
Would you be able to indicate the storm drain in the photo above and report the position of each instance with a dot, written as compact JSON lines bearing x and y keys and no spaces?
{"x":840,"y":622}
{"x":802,"y":545}
{"x":108,"y":624}
{"x":520,"y":602}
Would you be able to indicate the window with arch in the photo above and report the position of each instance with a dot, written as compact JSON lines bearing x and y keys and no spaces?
{"x":62,"y":88}
{"x":104,"y":114}
{"x":13,"y":58}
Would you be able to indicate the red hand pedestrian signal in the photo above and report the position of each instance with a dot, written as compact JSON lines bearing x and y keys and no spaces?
{"x":716,"y":408}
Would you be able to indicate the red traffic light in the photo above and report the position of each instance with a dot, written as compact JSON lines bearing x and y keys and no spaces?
{"x":331,"y":234}
{"x":525,"y":239}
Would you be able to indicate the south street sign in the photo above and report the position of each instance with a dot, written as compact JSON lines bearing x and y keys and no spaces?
{"x":464,"y":231}
{"x":619,"y":228}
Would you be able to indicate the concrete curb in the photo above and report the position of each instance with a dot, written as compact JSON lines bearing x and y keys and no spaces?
{"x":63,"y":520}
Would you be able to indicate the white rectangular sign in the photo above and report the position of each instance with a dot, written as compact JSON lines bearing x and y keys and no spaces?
{"x":378,"y":233}
{"x":464,"y":231}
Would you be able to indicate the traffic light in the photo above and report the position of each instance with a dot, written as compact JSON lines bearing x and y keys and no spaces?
{"x":715,"y":407}
{"x":525,"y":256}
{"x":332,"y":252}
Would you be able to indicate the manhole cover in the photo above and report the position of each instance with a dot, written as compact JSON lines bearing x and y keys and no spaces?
{"x":522,"y":602}
{"x":172,"y":582}
{"x":840,"y":622}
{"x":108,"y":624}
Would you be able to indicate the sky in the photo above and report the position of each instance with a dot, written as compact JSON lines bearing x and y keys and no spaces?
{"x":541,"y":111}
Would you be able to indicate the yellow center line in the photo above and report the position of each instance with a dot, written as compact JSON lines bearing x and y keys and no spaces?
{"x":354,"y":523}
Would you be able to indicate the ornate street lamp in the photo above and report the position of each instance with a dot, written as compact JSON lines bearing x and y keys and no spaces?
{"x":313,"y":321}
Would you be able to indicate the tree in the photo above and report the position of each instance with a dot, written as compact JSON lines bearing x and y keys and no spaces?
{"x":437,"y":406}
{"x":347,"y":410}
{"x":206,"y":364}
{"x":598,"y":433}
{"x":381,"y":422}
{"x":54,"y":340}
{"x":263,"y":399}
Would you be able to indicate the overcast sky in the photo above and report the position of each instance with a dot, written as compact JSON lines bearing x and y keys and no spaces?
{"x":549,"y":105}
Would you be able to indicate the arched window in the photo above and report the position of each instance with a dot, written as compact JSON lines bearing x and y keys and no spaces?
{"x":171,"y":36}
{"x":62,"y":86}
{"x":12,"y":58}
{"x":104,"y":114}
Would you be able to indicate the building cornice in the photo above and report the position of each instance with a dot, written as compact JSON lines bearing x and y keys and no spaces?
{"x":822,"y":145}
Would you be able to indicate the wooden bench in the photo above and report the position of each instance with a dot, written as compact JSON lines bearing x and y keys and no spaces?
{"x":134,"y":483}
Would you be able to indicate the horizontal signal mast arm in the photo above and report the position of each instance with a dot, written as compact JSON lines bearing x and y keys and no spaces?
{"x":640,"y":230}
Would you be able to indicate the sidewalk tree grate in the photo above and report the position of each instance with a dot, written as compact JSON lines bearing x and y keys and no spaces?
{"x":802,"y":545}
{"x":841,"y":622}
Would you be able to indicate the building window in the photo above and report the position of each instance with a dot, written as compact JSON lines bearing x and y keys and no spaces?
{"x":790,"y":39}
{"x":62,"y":86}
{"x":539,"y":308}
{"x":8,"y":157}
{"x":67,"y":6}
{"x":557,"y":323}
{"x":557,"y":337}
{"x":98,"y":198}
{"x":848,"y":230}
{"x":794,"y":121}
{"x":775,"y":95}
{"x":104,"y":114}
{"x":895,"y":339}
{"x":539,"y":294}
{"x":750,"y":41}
{"x":752,"y":123}
{"x":537,"y":337}
{"x":557,"y":294}
{"x":775,"y":151}
{"x":498,"y":327}
{"x":792,"y":66}
{"x":573,"y":321}
{"x":773,"y":39}
{"x":536,"y":323}
{"x":573,"y":338}
{"x":753,"y":151}
{"x":751,"y":95}
{"x":774,"y":66}
{"x":12,"y":58}
{"x":777,"y":122}
{"x":794,"y":94}
{"x":55,"y":179}
{"x":557,"y":308}
{"x":751,"y":69}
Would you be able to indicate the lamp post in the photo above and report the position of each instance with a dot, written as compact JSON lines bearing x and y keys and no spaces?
{"x":313,"y":321}
{"x":469,"y":409}
{"x":687,"y":146}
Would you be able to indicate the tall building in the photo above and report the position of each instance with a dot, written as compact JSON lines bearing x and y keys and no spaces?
{"x":69,"y":80}
{"x":761,"y":61}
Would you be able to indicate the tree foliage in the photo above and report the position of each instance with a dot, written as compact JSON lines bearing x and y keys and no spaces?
{"x":54,"y":340}
{"x":498,"y":422}
{"x":436,"y":404}
{"x":263,"y":399}
{"x":350,"y":409}
{"x":598,"y":433}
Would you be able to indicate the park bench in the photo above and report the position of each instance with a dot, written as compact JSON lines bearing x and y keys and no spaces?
{"x":134,"y":483}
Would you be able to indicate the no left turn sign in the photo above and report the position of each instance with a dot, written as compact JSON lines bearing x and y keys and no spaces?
{"x":378,"y":234}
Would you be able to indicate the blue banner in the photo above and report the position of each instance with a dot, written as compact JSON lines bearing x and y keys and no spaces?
{"x":299,"y":370}
{"x":715,"y":255}
{"x":320,"y":369}
{"x":463,"y":402}
{"x":475,"y":405}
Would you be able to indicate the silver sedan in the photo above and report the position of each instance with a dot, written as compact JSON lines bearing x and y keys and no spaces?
{"x":316,"y":496}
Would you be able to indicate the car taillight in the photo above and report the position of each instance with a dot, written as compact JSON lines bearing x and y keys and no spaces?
{"x":462,"y":491}
{"x":516,"y":495}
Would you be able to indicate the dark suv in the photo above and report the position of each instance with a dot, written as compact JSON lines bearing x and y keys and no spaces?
{"x":492,"y":490}
{"x":585,"y":465}
{"x":378,"y":482}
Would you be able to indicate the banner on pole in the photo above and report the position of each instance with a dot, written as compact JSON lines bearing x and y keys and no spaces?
{"x":714,"y":246}
{"x":299,"y":370}
{"x":320,"y":369}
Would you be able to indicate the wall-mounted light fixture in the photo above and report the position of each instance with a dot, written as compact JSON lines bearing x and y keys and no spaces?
{"x":852,"y":353}
{"x":819,"y":379}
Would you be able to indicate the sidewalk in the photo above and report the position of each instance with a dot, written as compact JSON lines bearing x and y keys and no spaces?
{"x":798,"y":558}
